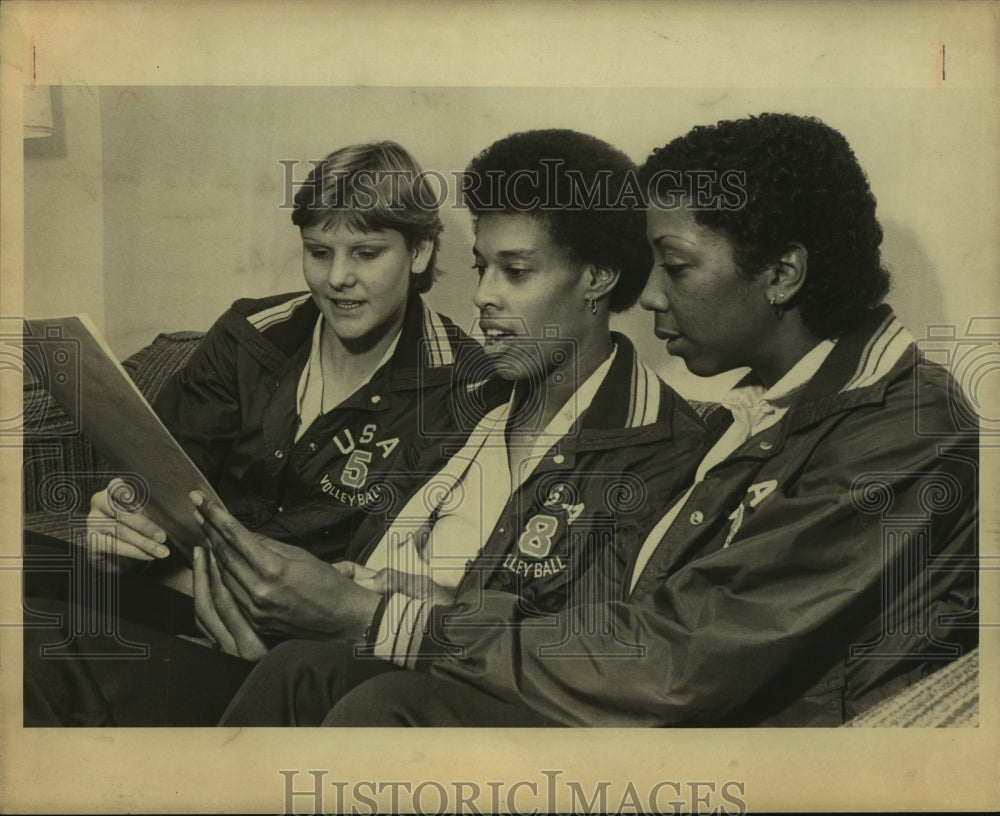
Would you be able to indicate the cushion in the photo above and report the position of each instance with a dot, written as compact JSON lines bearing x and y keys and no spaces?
{"x":948,"y":697}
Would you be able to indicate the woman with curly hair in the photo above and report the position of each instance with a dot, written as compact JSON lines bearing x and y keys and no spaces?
{"x":824,"y":555}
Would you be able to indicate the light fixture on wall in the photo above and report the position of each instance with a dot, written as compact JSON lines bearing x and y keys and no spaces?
{"x":38,"y":119}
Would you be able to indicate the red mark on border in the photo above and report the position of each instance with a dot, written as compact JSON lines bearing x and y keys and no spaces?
{"x":940,"y":72}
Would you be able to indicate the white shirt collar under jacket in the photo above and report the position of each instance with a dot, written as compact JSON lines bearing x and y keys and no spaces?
{"x":754,"y":409}
{"x":310,"y":398}
{"x":449,"y":520}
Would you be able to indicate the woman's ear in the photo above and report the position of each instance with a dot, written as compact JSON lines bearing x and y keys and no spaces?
{"x":787,"y":276}
{"x":421,"y":257}
{"x":602,"y":280}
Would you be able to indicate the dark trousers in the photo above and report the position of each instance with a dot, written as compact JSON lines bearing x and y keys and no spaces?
{"x":415,"y":699}
{"x":113,"y":650}
{"x":302,"y":682}
{"x":299,"y":681}
{"x":94,"y":657}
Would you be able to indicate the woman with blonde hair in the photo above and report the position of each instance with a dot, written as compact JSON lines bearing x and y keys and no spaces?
{"x":295,"y":407}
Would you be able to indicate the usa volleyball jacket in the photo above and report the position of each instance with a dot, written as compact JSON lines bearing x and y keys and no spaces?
{"x":233,"y":409}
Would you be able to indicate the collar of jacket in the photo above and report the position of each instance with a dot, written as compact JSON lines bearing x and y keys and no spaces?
{"x":279,"y":329}
{"x":824,"y":395}
{"x":632,"y":406}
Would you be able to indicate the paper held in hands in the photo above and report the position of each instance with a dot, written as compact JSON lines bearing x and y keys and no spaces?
{"x":76,"y":366}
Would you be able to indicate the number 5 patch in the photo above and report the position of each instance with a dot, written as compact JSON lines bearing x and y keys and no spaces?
{"x":356,"y":470}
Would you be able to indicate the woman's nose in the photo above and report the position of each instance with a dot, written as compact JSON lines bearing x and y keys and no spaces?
{"x":653,"y":297}
{"x":485,"y":291}
{"x":341,"y":273}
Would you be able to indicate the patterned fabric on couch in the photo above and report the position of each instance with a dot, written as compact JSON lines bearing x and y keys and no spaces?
{"x":947,"y":698}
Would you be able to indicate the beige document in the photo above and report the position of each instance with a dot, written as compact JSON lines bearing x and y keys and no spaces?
{"x":90,"y":385}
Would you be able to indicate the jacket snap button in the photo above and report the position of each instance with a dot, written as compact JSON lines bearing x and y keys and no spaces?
{"x":376,"y":399}
{"x":278,"y":454}
{"x":766,"y":445}
{"x":312,"y":446}
{"x":697,"y":517}
{"x":558,"y":458}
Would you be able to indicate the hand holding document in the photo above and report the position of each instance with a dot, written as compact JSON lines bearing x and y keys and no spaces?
{"x":81,"y":372}
{"x":138,"y":536}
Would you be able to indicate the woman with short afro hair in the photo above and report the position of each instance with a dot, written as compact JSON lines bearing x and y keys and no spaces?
{"x":800,"y":183}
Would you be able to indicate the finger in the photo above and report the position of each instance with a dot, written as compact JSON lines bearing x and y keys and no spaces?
{"x":345,"y":568}
{"x":238,"y":575}
{"x":152,"y":548}
{"x":212,"y":537}
{"x":232,"y":602}
{"x":105,"y":537}
{"x":353,"y":570}
{"x":380,"y":581}
{"x":205,"y":613}
{"x":396,"y":581}
{"x":206,"y":634}
{"x":112,"y":502}
{"x":248,"y":643}
{"x":100,"y":544}
{"x":406,"y":583}
{"x":369,"y":584}
{"x":231,"y":541}
{"x":106,"y":532}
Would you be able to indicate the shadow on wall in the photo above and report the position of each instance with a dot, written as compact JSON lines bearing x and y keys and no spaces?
{"x":916,"y":294}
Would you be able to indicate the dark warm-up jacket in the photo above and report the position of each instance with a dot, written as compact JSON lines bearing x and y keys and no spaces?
{"x":233,"y":410}
{"x":570,"y":531}
{"x":828,"y":561}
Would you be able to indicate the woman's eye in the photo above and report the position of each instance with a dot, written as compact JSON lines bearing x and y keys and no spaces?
{"x":673,"y":269}
{"x":367,"y":254}
{"x":319,"y":254}
{"x":516,"y":272}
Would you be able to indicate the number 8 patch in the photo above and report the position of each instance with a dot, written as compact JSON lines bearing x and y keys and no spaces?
{"x":536,"y":540}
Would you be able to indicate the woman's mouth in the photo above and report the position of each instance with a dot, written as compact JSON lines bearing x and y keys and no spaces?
{"x":672,"y":338}
{"x":346,"y":305}
{"x":494,"y":335}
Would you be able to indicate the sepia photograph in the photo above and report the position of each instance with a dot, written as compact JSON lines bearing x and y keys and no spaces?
{"x":630,"y":368}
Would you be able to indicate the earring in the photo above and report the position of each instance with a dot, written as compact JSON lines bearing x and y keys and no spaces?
{"x":779,"y":309}
{"x":592,"y":304}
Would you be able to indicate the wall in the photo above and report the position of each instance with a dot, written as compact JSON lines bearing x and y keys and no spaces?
{"x":191,"y":188}
{"x":63,"y":210}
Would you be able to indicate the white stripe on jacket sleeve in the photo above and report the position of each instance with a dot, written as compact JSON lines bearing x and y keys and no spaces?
{"x":401,"y":630}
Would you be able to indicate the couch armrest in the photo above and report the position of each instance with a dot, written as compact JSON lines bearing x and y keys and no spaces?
{"x":947,"y":698}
